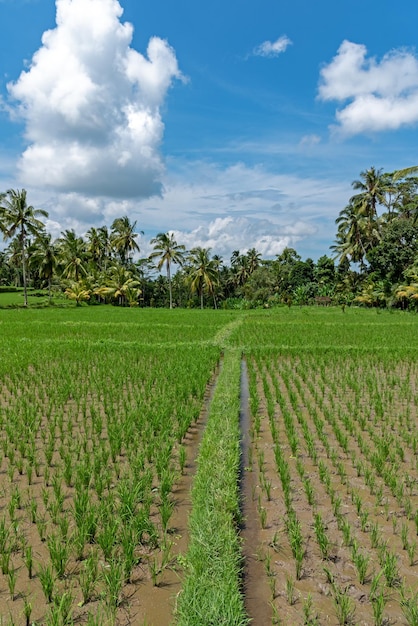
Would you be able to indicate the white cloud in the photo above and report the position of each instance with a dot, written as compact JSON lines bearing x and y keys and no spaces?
{"x":382,"y":95}
{"x":91,"y":105}
{"x":310,"y":140}
{"x":272,"y":48}
{"x":241,"y":207}
{"x":224,"y":235}
{"x":205,"y":204}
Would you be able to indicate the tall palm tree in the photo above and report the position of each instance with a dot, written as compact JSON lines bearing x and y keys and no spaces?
{"x":203,"y":273}
{"x":20,"y":219}
{"x":123,"y":238}
{"x":254,"y":259}
{"x":168,"y":251}
{"x":372,"y":192}
{"x":73,"y":255}
{"x":356,"y":233}
{"x":44,"y":258}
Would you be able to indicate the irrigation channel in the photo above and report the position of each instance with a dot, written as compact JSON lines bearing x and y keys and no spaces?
{"x":257,"y":599}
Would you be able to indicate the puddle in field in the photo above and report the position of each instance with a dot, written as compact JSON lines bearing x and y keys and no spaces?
{"x":255,"y":584}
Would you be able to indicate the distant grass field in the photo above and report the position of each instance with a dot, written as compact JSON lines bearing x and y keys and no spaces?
{"x":16,"y":299}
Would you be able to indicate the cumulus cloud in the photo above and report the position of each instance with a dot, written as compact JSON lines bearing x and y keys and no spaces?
{"x":242,"y":207}
{"x":226,"y":234}
{"x":378,"y":95}
{"x":91,"y":105}
{"x":272,"y":48}
{"x":206,"y":204}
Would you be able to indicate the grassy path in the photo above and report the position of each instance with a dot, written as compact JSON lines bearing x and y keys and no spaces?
{"x":212,"y":593}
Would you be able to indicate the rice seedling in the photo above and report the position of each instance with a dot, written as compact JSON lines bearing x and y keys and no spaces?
{"x":361,"y":562}
{"x":88,"y":577}
{"x":378,"y":605}
{"x":321,"y":536}
{"x":27,"y":611}
{"x":389,"y":564}
{"x":28,"y":560}
{"x":59,"y":553}
{"x":310,"y":617}
{"x":47,"y":580}
{"x":290,"y":591}
{"x":343,"y":605}
{"x":11,"y":581}
{"x":113,"y":576}
{"x":409,"y":607}
{"x":411,"y":549}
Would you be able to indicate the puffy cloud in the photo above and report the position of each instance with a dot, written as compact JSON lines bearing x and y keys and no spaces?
{"x":224,"y":235}
{"x":242,"y":207}
{"x":382,"y":95}
{"x":272,"y":48}
{"x":208,"y":205}
{"x":91,"y":104}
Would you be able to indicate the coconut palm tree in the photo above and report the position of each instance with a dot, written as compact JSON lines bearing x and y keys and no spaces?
{"x":120,"y":285}
{"x":73,"y":255}
{"x":44,"y":258}
{"x":123,"y":238}
{"x":78,"y":291}
{"x":203,"y":274}
{"x":372,"y":192}
{"x":20,"y":219}
{"x":354,"y":237}
{"x":168,"y":251}
{"x":254,"y":260}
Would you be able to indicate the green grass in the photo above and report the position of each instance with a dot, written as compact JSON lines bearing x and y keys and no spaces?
{"x":211,"y":591}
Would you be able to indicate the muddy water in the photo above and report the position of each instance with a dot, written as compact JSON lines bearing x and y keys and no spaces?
{"x":257,"y":596}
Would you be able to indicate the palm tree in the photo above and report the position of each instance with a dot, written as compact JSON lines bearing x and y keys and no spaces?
{"x":203,"y":273}
{"x":254,"y":260}
{"x":44,"y":258}
{"x":73,"y":255}
{"x":120,"y":285}
{"x":168,"y":251}
{"x":19,"y":219}
{"x":123,"y":238}
{"x":356,"y":233}
{"x":78,"y":291}
{"x":372,"y":192}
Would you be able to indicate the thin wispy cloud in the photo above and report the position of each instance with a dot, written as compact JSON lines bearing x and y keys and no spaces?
{"x":273,"y":48}
{"x":376,"y":95}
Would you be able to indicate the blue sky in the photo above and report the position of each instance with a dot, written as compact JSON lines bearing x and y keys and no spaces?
{"x":235,"y":124}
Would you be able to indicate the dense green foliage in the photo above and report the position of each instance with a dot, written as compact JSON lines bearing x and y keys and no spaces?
{"x":374,"y":262}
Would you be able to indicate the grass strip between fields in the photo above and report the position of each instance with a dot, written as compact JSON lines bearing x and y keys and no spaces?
{"x":211,"y":593}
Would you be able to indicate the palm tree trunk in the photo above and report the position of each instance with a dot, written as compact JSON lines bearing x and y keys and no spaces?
{"x":25,"y":288}
{"x":201,"y":299}
{"x":170,"y":291}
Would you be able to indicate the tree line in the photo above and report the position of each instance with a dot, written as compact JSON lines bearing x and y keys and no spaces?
{"x":374,"y":260}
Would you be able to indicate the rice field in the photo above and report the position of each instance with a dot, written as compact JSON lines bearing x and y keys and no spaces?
{"x":334,"y":445}
{"x":97,"y":411}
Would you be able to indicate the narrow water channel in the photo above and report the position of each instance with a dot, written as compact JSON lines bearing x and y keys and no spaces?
{"x":256,"y":590}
